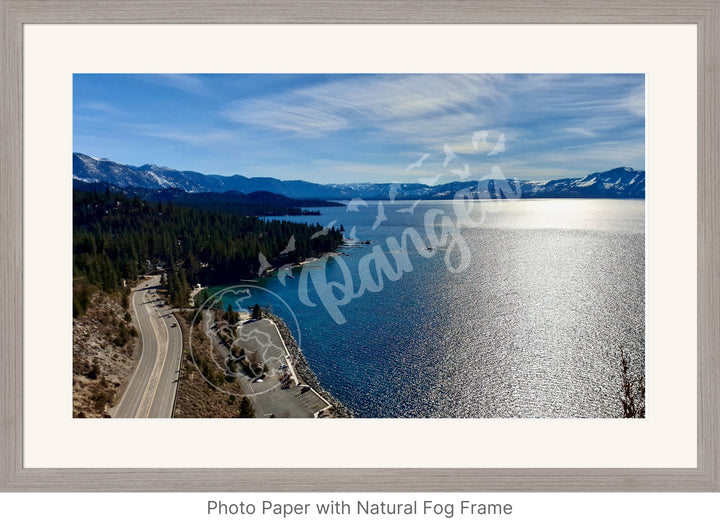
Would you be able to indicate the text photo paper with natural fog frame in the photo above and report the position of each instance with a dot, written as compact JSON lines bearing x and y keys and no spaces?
{"x":369,"y":246}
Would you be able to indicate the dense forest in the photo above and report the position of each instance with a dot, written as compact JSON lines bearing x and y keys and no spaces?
{"x":118,"y":238}
{"x":262,"y":203}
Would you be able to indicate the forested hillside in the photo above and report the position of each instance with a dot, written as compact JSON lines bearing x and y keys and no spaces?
{"x":117,"y":238}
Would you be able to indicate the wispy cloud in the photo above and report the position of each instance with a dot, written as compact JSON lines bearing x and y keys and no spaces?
{"x":198,"y":138}
{"x":100,"y":106}
{"x":579,"y":131}
{"x":635,"y":101}
{"x":385,"y":102}
{"x":184,"y":82}
{"x":98,"y":111}
{"x":343,"y":128}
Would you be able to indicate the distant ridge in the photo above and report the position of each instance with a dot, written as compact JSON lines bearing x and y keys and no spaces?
{"x":618,"y":183}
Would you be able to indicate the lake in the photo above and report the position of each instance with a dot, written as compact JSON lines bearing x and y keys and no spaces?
{"x":520,"y":312}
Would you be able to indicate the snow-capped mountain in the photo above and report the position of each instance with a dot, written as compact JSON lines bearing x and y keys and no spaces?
{"x":622,"y":182}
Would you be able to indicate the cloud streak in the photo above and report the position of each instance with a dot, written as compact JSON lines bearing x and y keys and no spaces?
{"x":184,"y":82}
{"x":384,"y":102}
{"x":366,"y":127}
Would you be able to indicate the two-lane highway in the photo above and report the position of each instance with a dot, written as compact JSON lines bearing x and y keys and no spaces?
{"x":152,"y":388}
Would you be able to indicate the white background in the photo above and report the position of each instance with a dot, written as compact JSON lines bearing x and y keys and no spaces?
{"x":665,"y":53}
{"x":570,"y":511}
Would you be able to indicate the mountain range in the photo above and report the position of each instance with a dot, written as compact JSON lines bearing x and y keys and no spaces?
{"x":618,"y":183}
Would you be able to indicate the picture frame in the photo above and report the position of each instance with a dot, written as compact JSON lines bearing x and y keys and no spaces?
{"x":15,"y":477}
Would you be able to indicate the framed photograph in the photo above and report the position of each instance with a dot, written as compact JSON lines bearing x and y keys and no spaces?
{"x":367,"y":248}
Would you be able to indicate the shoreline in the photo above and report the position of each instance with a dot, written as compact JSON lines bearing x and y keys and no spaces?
{"x":303,"y":369}
{"x":299,"y":264}
{"x":299,"y":362}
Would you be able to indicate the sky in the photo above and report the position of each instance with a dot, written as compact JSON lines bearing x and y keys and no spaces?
{"x":342,"y":128}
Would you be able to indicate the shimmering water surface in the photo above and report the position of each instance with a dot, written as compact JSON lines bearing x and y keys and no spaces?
{"x":530,"y":326}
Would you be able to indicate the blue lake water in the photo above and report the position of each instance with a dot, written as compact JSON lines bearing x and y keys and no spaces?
{"x":519,"y":313}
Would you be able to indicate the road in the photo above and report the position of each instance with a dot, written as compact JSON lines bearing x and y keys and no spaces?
{"x":153,"y":386}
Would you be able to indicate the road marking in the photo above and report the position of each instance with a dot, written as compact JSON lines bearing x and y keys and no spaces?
{"x":154,"y":381}
{"x":140,"y":290}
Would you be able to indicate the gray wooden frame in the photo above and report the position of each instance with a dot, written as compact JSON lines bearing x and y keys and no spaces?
{"x":14,"y":13}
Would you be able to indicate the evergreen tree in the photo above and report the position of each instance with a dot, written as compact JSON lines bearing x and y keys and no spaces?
{"x":246,"y":408}
{"x":115,"y":237}
{"x":231,"y":316}
{"x":256,"y":312}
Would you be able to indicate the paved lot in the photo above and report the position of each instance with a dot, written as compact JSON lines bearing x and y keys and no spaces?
{"x":269,"y":399}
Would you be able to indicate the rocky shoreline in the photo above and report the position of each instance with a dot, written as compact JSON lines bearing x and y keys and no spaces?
{"x":303,"y":369}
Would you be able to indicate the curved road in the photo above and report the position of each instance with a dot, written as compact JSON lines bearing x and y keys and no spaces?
{"x":152,"y":388}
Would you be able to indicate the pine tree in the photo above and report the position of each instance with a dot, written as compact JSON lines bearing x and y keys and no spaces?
{"x":246,"y":408}
{"x":231,"y":316}
{"x":256,"y":312}
{"x":115,"y":237}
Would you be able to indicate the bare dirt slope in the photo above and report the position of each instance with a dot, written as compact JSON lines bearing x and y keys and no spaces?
{"x":104,"y":346}
{"x":196,"y":398}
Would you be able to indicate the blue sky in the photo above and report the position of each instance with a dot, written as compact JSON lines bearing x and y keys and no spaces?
{"x":364,"y":128}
